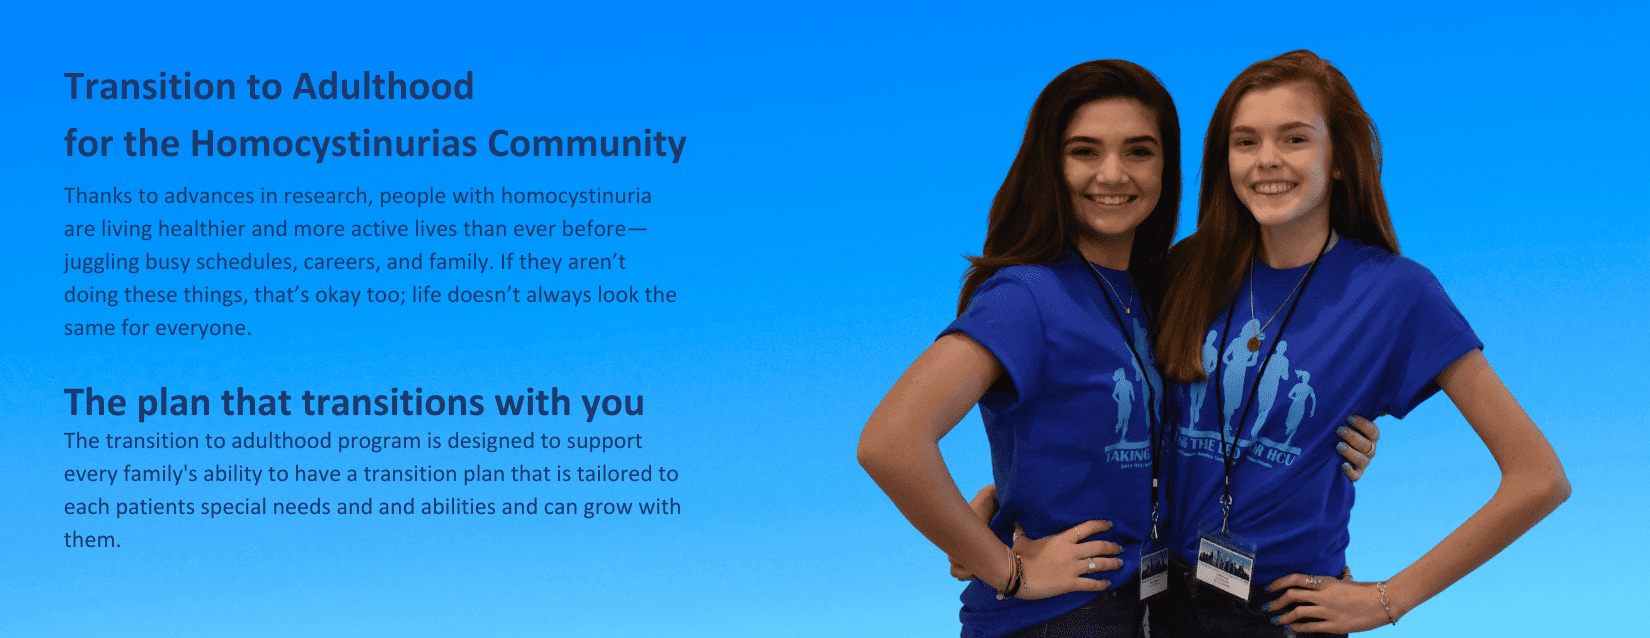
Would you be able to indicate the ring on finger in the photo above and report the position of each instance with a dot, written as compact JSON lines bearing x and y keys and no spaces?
{"x":1371,"y":451}
{"x":1314,"y":581}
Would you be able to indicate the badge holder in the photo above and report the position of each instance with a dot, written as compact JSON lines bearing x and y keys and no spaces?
{"x":1154,"y":569}
{"x":1226,"y":561}
{"x":1154,"y":557}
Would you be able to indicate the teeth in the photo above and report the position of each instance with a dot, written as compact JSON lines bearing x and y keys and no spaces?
{"x":1273,"y":188}
{"x":1112,"y":200}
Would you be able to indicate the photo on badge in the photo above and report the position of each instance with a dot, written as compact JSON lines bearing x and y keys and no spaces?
{"x":1227,"y":562}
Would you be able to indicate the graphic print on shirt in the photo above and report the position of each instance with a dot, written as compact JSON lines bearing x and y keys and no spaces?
{"x":1277,"y":369}
{"x":1298,"y":396}
{"x":1124,"y":395}
{"x":1200,"y":390}
{"x":1125,"y":391}
{"x":1237,"y":360}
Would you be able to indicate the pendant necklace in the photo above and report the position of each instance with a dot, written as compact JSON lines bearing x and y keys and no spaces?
{"x":1126,"y":308}
{"x":1260,"y":335}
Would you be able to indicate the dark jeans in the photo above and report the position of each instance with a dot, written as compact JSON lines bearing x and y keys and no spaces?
{"x":1115,"y":613}
{"x":1195,"y":610}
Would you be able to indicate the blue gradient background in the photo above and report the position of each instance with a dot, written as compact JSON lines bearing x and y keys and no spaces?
{"x":840,"y":161}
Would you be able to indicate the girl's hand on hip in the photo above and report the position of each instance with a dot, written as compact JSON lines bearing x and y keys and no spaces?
{"x":1325,"y":604}
{"x":1056,"y":564}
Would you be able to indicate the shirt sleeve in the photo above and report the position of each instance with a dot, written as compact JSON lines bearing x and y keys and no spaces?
{"x":1003,"y":316}
{"x":1431,"y":335}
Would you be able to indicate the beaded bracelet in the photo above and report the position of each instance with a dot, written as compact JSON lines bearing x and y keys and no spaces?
{"x":1381,"y":588}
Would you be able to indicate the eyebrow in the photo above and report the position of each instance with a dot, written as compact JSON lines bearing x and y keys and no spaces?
{"x":1132,"y":140}
{"x":1291,"y":125}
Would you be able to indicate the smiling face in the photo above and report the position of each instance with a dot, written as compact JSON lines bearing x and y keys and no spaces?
{"x":1113,"y":163}
{"x":1279,"y":158}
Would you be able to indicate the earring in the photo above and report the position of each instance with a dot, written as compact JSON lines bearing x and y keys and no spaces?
{"x":1337,"y":174}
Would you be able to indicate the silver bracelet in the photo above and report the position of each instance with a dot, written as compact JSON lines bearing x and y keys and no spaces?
{"x":1381,"y":588}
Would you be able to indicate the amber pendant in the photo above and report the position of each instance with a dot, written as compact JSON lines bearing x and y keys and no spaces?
{"x":1254,"y":344}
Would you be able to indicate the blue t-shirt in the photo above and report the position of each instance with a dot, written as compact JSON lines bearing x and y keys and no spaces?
{"x":1070,"y":442}
{"x":1370,"y":334}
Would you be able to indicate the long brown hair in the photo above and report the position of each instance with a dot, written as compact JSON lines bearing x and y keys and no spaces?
{"x":1206,"y":269}
{"x":1032,"y":218}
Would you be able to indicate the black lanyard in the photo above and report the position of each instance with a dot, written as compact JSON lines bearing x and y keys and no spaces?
{"x":1152,"y":407}
{"x":1220,"y":382}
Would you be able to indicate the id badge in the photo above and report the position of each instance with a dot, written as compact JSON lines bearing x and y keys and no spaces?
{"x":1227,"y":562}
{"x":1154,"y":569}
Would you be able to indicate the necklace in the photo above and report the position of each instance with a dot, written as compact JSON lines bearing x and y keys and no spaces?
{"x":1130,"y":304}
{"x":1254,"y":342}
